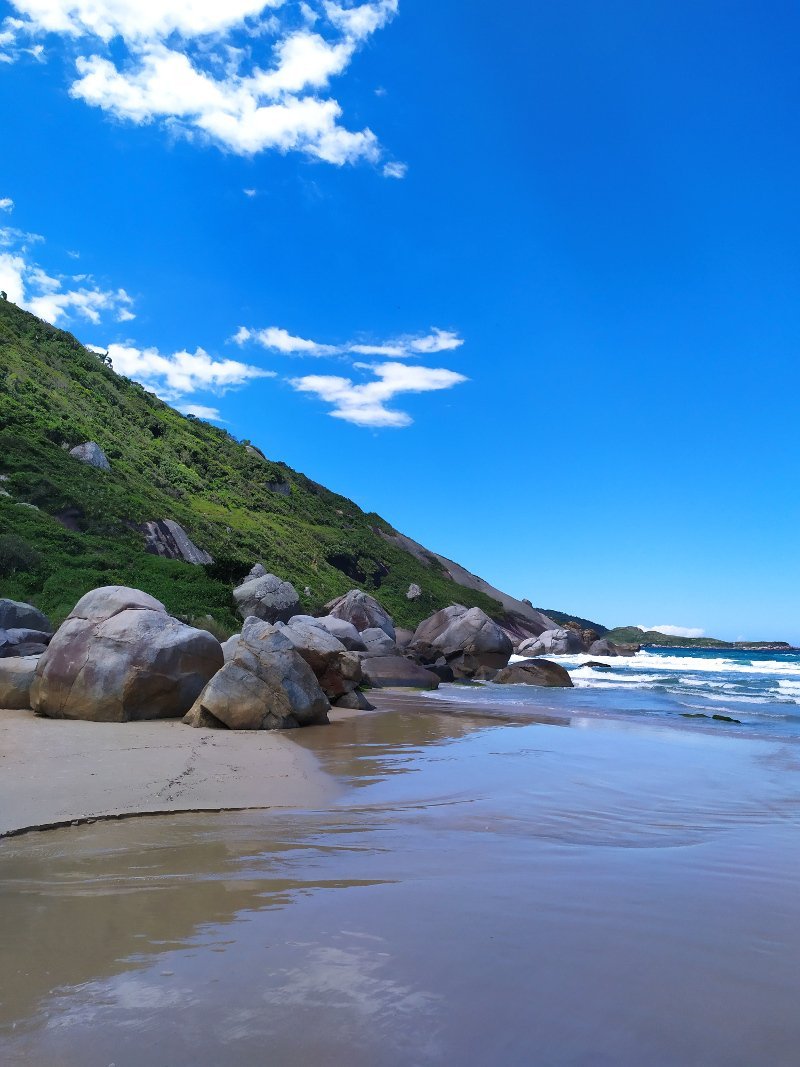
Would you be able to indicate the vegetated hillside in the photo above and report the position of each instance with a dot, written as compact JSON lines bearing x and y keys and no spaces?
{"x":633,"y":635}
{"x":233,"y":502}
{"x":585,"y":624}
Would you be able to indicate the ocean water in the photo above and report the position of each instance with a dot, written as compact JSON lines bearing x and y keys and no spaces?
{"x":680,"y":687}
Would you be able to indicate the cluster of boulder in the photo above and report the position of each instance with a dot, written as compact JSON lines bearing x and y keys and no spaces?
{"x":120,"y":656}
{"x":570,"y":641}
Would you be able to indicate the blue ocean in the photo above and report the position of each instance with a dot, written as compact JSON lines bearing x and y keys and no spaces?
{"x":695,"y":689}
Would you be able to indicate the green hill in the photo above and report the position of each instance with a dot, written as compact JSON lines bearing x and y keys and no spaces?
{"x":633,"y":635}
{"x":232,"y":501}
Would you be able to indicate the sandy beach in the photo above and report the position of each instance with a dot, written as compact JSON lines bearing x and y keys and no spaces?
{"x":54,"y":771}
{"x":425,"y":887}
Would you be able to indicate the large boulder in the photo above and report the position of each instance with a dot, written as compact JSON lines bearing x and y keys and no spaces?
{"x":355,"y":701}
{"x":378,"y":642}
{"x":561,"y":642}
{"x":466,"y":637}
{"x":16,"y":679}
{"x":120,"y":657}
{"x":229,"y":647}
{"x":15,"y":614}
{"x":92,"y":454}
{"x":23,"y":642}
{"x":341,"y":629}
{"x":534,"y":672}
{"x":266,"y":686}
{"x":383,"y":672}
{"x":337,"y":670}
{"x":268,"y":598}
{"x":363,"y":611}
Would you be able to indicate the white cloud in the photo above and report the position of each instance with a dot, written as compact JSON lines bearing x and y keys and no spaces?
{"x":207,"y":69}
{"x":200,"y":411}
{"x":395,"y":170}
{"x":6,"y":204}
{"x":438,"y":341}
{"x":366,"y":404}
{"x":277,"y":339}
{"x":54,"y":298}
{"x":675,"y":631}
{"x":181,"y":373}
{"x":249,"y":192}
{"x":273,"y":337}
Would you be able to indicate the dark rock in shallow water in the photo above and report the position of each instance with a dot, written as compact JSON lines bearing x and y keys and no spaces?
{"x":603,"y":647}
{"x":397,"y":672}
{"x":355,"y":701}
{"x":534,"y":672}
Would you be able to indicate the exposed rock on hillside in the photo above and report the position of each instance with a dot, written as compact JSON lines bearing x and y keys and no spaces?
{"x":168,"y":538}
{"x":92,"y":454}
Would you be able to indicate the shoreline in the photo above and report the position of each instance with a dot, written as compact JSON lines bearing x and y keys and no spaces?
{"x":59,"y":773}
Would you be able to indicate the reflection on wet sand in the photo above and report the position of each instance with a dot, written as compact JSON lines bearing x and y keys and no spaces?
{"x":480,"y":894}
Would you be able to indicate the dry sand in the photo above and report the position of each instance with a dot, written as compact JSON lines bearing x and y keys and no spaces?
{"x":54,"y":771}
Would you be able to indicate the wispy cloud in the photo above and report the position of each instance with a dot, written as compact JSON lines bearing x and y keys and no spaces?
{"x":365,"y":404}
{"x":675,"y":631}
{"x":276,"y":339}
{"x":177,"y":375}
{"x":248,"y":75}
{"x":54,"y":298}
{"x":6,"y":203}
{"x":200,"y":411}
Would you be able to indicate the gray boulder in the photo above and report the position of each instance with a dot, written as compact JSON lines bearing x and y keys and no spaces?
{"x":16,"y":615}
{"x":92,"y":454}
{"x":377,"y":642}
{"x":403,"y":637}
{"x":342,"y":630}
{"x":541,"y":672}
{"x":268,"y":598}
{"x":23,"y":642}
{"x":414,"y":592}
{"x":120,"y":657}
{"x":168,"y":539}
{"x":266,"y":686}
{"x":16,"y":679}
{"x":363,"y":611}
{"x":337,"y":670}
{"x":355,"y":701}
{"x":561,"y":642}
{"x":467,"y":638}
{"x":229,"y":647}
{"x":258,"y":570}
{"x":383,"y":672}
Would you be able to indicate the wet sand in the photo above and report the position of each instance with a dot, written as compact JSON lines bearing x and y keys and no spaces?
{"x":474,"y":893}
{"x":55,"y":771}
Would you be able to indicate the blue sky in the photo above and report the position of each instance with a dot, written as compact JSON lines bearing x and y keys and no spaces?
{"x":524,"y":281}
